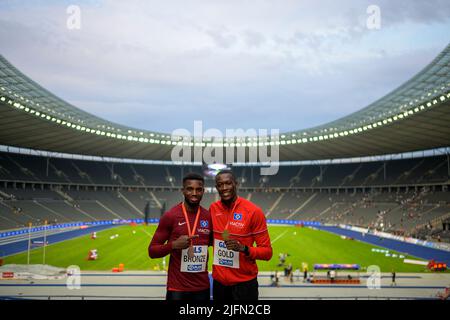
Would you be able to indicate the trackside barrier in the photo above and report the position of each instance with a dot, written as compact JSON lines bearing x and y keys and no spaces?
{"x":82,"y":225}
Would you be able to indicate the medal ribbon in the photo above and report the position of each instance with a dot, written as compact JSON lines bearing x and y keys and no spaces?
{"x":191,"y":232}
{"x":232,"y":210}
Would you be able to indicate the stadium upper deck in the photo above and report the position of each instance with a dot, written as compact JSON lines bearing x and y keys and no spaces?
{"x":413,"y":117}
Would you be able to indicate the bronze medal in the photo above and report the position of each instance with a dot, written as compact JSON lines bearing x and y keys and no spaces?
{"x":190,"y":252}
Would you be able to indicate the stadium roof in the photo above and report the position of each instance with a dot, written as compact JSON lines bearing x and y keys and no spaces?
{"x":415,"y":116}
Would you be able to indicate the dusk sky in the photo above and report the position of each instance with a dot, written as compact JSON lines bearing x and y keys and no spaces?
{"x":160,"y":65}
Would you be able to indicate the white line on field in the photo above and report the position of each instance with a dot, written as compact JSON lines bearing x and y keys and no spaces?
{"x":149,"y":234}
{"x":279,"y":236}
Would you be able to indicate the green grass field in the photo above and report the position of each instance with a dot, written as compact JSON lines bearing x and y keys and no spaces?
{"x":302,"y":245}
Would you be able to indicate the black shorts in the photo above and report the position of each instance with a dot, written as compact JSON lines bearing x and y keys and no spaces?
{"x":247,"y":290}
{"x":203,"y":295}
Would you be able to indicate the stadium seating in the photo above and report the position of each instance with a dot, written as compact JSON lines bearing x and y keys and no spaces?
{"x":398,"y":194}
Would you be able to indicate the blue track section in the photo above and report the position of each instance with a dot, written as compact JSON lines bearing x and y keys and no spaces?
{"x":20,"y":246}
{"x":403,"y":247}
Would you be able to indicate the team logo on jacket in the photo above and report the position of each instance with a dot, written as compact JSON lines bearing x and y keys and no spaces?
{"x":237,"y":216}
{"x":204,"y":223}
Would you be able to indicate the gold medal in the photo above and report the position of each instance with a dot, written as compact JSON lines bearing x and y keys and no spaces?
{"x":225,"y":235}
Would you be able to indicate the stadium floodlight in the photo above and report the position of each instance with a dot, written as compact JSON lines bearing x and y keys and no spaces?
{"x":3,"y":99}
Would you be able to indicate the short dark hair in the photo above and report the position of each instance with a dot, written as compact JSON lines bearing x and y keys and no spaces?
{"x":193,"y":176}
{"x":225,"y":171}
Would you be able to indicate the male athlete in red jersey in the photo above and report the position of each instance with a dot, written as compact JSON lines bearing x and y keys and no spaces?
{"x":187,"y":229}
{"x":238,"y":224}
